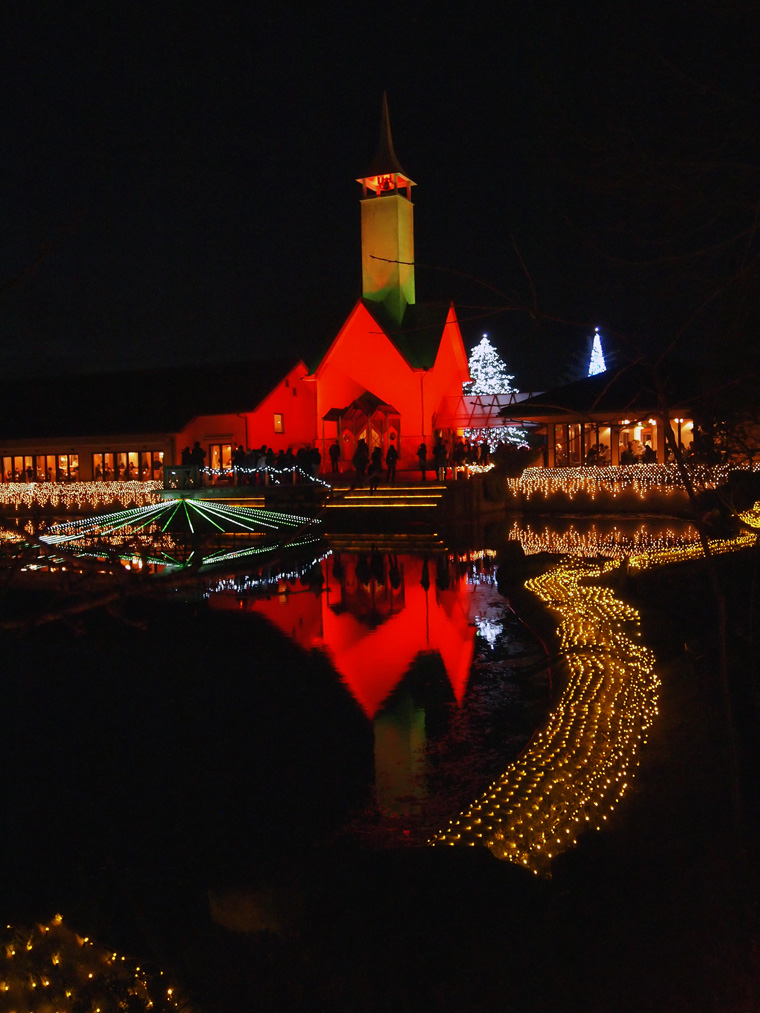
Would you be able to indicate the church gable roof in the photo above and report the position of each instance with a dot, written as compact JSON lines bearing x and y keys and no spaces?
{"x":418,"y":337}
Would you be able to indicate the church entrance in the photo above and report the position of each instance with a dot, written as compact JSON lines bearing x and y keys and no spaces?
{"x":367,"y":418}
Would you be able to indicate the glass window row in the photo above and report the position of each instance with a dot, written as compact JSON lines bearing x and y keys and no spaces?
{"x":128,"y":466}
{"x":41,"y":468}
{"x":108,"y":466}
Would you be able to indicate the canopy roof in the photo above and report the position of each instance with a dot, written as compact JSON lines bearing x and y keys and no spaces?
{"x":365,"y":406}
{"x":474,"y":411}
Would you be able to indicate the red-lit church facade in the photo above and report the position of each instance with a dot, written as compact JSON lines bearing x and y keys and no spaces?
{"x":367,"y":389}
{"x":389,"y":369}
{"x":388,"y":372}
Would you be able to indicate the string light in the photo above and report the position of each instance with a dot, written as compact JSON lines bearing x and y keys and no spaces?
{"x":49,"y":967}
{"x":279,"y":476}
{"x":132,"y":535}
{"x":596,"y":362}
{"x":640,"y":479}
{"x":77,"y":495}
{"x":582,"y":762}
{"x":489,"y":376}
{"x":158,"y":516}
{"x":751,"y":517}
{"x":614,"y":543}
{"x":494,"y":436}
{"x":479,"y":566}
{"x":253,"y":583}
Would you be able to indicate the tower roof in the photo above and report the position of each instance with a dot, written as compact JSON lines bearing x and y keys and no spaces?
{"x":385,"y":163}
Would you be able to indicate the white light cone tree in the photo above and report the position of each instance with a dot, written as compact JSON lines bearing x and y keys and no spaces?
{"x":489,"y":376}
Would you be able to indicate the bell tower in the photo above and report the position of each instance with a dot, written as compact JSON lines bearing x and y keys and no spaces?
{"x":387,"y":228}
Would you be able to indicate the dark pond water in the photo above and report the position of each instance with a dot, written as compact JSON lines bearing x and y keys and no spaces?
{"x":197,"y":742}
{"x":171,"y":769}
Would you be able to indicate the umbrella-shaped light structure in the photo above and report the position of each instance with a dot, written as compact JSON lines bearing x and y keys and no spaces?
{"x":176,"y":532}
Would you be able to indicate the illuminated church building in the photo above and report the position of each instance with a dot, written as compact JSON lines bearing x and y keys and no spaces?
{"x":393,"y":375}
{"x":386,"y":377}
{"x":388,"y":371}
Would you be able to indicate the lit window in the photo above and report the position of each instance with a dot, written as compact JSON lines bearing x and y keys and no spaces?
{"x":279,"y":424}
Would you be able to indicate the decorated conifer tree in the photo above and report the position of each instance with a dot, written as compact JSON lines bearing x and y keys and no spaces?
{"x":488,"y":371}
{"x":489,"y":376}
{"x":596,"y":362}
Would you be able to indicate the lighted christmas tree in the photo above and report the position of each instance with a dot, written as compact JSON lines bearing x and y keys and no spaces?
{"x":596,"y":363}
{"x":488,"y":371}
{"x":489,"y":376}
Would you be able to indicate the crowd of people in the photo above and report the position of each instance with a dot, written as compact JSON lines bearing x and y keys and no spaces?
{"x":457,"y":461}
{"x":634,"y":452}
{"x":443,"y":462}
{"x":637,"y":452}
{"x":264,"y":465}
{"x":372,"y":464}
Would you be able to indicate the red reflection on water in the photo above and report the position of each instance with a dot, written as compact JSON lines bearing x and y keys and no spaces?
{"x":376,"y":614}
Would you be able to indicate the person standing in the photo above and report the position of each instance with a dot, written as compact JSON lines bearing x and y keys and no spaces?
{"x":198,"y":458}
{"x":360,"y":461}
{"x":440,"y":459}
{"x":375,"y":467}
{"x":422,"y":458}
{"x":334,"y":457}
{"x":238,"y":463}
{"x":458,"y":455}
{"x":315,"y":460}
{"x":391,"y":458}
{"x":270,"y":462}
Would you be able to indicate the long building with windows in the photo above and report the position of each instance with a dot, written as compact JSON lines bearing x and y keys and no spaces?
{"x":128,"y":425}
{"x":613,"y":417}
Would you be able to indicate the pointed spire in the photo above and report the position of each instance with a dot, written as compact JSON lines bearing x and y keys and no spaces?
{"x":385,"y":173}
{"x":387,"y":228}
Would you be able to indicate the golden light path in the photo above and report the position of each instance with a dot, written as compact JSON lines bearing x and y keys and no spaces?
{"x":578,"y":767}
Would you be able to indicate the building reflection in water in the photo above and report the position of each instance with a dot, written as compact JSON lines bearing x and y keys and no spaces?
{"x":381,"y":618}
{"x":400,"y":630}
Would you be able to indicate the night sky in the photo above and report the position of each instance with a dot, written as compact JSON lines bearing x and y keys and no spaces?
{"x":178,"y":180}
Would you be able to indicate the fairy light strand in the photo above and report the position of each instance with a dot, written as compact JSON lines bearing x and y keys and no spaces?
{"x":640,"y":479}
{"x":581,"y":763}
{"x":50,"y":967}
